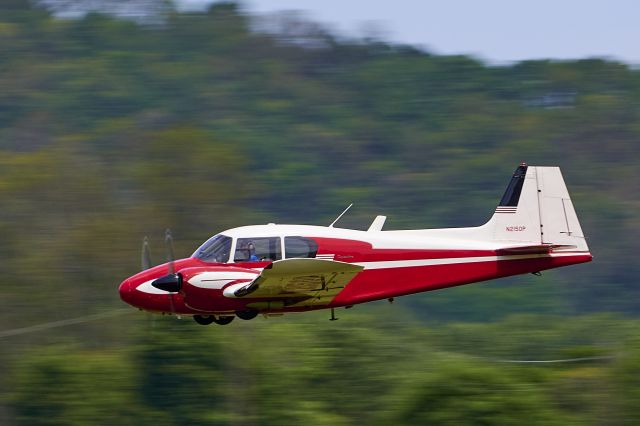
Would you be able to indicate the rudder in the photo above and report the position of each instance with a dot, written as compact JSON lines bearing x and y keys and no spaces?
{"x":558,"y":219}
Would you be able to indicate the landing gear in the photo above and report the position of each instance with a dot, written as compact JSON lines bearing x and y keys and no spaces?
{"x":208,"y":319}
{"x":204,"y":319}
{"x":223,"y":320}
{"x":247,"y":315}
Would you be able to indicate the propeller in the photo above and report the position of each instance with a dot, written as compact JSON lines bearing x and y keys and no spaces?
{"x":168,"y":240}
{"x":146,"y":263}
{"x":172,"y":282}
{"x":146,"y":255}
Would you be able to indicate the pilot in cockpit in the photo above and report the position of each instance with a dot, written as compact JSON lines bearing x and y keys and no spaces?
{"x":252,"y":253}
{"x":246,"y":252}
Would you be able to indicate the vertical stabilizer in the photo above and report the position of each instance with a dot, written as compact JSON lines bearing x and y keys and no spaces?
{"x":536,"y":209}
{"x":517,"y":217}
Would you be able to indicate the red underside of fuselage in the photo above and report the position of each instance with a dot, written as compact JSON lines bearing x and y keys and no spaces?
{"x":368,"y":285}
{"x":384,"y":283}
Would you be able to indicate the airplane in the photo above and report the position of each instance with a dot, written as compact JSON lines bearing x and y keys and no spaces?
{"x":275,"y":269}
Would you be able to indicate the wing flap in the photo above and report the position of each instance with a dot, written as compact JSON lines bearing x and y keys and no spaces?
{"x":298,"y":282}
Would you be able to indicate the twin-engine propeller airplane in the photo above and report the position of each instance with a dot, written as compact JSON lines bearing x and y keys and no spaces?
{"x":273,"y":269}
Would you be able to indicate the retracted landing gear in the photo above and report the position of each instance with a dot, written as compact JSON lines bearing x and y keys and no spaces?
{"x":208,"y":319}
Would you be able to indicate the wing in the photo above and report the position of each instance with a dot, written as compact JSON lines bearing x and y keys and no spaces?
{"x":298,"y":282}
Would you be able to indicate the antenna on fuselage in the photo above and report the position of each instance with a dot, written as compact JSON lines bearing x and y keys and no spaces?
{"x":341,"y":214}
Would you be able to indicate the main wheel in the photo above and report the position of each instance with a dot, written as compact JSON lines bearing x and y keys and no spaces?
{"x":247,"y":315}
{"x":223,"y":320}
{"x":204,"y":319}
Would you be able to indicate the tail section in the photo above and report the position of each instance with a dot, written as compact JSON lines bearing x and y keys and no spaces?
{"x":536,"y":209}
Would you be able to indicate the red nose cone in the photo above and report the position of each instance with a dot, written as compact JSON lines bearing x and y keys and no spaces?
{"x":126,"y":291}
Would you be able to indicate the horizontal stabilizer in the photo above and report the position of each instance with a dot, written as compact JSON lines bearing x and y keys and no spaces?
{"x":535,"y":249}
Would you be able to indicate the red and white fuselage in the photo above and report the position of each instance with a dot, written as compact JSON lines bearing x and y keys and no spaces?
{"x":273,"y":269}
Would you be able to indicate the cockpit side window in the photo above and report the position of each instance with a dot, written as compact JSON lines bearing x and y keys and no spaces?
{"x":215,"y":249}
{"x":299,"y":247}
{"x":257,"y":249}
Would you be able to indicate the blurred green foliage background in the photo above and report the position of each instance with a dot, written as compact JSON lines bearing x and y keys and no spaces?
{"x":112,"y":128}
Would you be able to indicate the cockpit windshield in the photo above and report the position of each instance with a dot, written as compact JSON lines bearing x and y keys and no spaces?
{"x":215,"y":249}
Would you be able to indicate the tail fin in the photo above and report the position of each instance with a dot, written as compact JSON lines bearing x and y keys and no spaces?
{"x":536,"y":209}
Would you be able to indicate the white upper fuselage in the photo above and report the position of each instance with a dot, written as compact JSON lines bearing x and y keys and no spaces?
{"x":425,"y":239}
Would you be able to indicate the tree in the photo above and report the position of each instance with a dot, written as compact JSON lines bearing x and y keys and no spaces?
{"x":141,"y":9}
{"x":183,"y":376}
{"x":461,"y":392}
{"x":73,"y":386}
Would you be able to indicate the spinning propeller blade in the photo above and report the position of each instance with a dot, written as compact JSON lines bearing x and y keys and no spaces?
{"x":168,"y":239}
{"x":171,"y":282}
{"x":146,"y":255}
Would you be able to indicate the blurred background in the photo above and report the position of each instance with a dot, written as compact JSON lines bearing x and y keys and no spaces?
{"x":119,"y":119}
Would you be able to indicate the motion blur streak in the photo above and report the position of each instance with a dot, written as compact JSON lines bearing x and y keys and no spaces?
{"x":62,"y":323}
